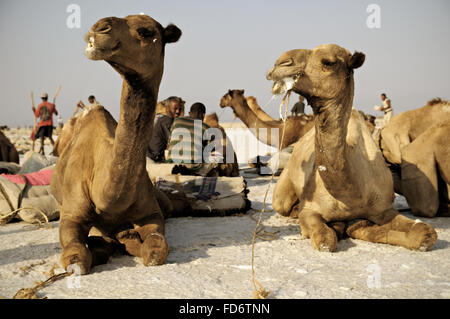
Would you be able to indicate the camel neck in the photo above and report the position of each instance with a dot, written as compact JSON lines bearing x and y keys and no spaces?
{"x":267,"y":135}
{"x":131,"y":139}
{"x":245,"y":113}
{"x":331,"y":118}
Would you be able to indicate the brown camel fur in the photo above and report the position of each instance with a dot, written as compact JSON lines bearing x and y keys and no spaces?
{"x":398,"y":134}
{"x":336,"y":173}
{"x":425,"y":172}
{"x":8,"y":152}
{"x":100,"y":178}
{"x":225,"y":169}
{"x":405,"y":127}
{"x":254,"y":106}
{"x":296,"y":126}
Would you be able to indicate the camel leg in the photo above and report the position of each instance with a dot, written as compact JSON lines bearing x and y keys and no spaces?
{"x":73,"y":238}
{"x":284,"y":197}
{"x":101,"y":249}
{"x":420,"y":187}
{"x":312,"y":225}
{"x":154,"y":249}
{"x":399,"y":231}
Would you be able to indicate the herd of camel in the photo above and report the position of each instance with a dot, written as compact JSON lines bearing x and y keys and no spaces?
{"x":338,"y":181}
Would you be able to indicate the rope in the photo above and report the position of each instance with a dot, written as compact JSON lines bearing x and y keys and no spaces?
{"x":31,"y":293}
{"x":6,"y":218}
{"x":258,"y":290}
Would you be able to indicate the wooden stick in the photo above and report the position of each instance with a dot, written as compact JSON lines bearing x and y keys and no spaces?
{"x":35,"y":118}
{"x":56,"y":94}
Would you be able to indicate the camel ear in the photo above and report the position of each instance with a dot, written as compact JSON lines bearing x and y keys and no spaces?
{"x":356,"y":60}
{"x":241,"y":92}
{"x":171,"y":34}
{"x":230,"y":92}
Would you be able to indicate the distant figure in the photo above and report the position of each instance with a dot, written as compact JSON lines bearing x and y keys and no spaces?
{"x":299,"y":107}
{"x":92,"y":103}
{"x":161,"y":130}
{"x":162,"y":110}
{"x":192,"y":149}
{"x":45,"y":112}
{"x":60,"y":124}
{"x":386,"y":107}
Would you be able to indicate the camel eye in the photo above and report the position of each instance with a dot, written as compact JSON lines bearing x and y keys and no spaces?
{"x":145,"y":33}
{"x":328,"y":62}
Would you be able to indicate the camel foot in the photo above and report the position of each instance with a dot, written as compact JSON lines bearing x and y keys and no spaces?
{"x":131,"y":239}
{"x":154,"y":250}
{"x":324,"y":239}
{"x":339,"y":228}
{"x":101,"y":249}
{"x":422,"y":237}
{"x":77,"y":254}
{"x":356,"y":227}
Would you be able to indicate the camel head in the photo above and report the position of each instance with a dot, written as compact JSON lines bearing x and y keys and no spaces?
{"x":131,"y":45}
{"x":212,"y":120}
{"x":319,"y":74}
{"x":227,"y":98}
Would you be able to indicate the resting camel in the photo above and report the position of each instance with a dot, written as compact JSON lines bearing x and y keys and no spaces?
{"x":296,"y":126}
{"x":225,"y":169}
{"x":254,"y":106}
{"x":8,"y":152}
{"x":100,"y":178}
{"x":425,"y":172}
{"x":336,"y":175}
{"x":407,"y":126}
{"x":396,"y":137}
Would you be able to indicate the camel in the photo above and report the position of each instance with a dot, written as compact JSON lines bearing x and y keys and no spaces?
{"x":336,"y":181}
{"x":8,"y":152}
{"x":225,"y":169}
{"x":425,"y":172}
{"x":404,"y":129}
{"x":100,"y":179}
{"x":296,"y":126}
{"x":407,"y":126}
{"x":254,"y":106}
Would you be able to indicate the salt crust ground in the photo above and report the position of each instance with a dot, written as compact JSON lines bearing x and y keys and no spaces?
{"x":210,"y":257}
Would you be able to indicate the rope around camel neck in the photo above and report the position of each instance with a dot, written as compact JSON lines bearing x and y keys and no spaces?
{"x":258,"y":290}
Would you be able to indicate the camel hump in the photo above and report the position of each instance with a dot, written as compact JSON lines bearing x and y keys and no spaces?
{"x":437,"y":100}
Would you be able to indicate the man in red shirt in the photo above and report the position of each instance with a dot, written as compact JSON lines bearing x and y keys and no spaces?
{"x":45,"y":112}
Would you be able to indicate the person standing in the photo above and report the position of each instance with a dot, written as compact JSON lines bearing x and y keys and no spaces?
{"x":92,"y":103}
{"x":45,"y":112}
{"x":386,"y":107}
{"x":299,"y":107}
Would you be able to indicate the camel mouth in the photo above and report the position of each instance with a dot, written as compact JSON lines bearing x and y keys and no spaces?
{"x":283,"y":86}
{"x":96,"y":52}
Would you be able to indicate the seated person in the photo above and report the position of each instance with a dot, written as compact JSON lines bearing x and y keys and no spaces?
{"x":186,"y":140}
{"x":161,"y":130}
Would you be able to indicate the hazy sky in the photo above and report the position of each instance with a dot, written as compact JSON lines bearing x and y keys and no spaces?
{"x":225,"y":45}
